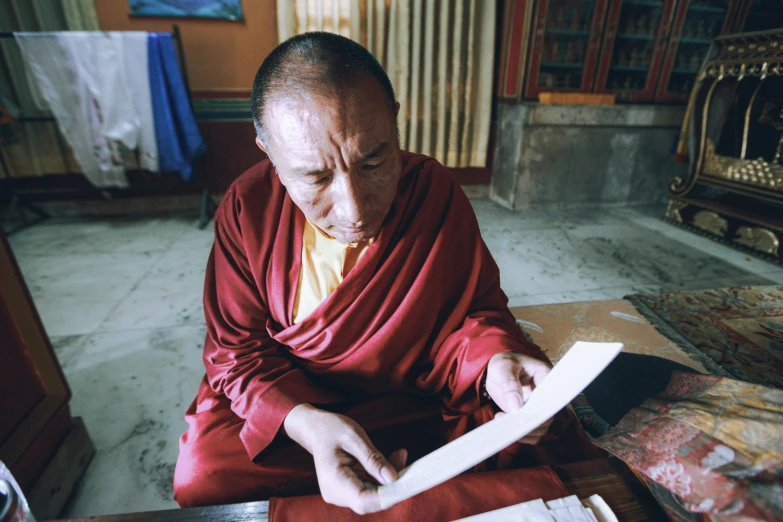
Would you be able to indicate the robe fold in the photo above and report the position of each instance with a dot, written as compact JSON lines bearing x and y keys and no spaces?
{"x":409,"y":331}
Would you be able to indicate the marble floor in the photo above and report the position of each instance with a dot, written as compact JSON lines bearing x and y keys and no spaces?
{"x":121,"y":301}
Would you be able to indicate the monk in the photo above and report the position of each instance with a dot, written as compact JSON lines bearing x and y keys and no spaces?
{"x":355,"y":320}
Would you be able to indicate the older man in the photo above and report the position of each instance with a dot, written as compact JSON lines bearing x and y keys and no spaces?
{"x":353,"y":310}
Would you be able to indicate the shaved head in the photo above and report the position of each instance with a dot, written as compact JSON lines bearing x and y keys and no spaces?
{"x":313,"y":63}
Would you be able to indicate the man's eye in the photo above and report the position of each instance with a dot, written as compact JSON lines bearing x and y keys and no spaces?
{"x":321,"y":181}
{"x":370,"y":166}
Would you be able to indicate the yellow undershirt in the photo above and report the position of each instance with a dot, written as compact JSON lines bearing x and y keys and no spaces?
{"x":325,"y":263}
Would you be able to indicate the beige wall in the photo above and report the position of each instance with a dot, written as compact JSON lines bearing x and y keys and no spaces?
{"x":220,"y":55}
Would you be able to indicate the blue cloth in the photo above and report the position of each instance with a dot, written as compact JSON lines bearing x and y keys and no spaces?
{"x":176,"y":133}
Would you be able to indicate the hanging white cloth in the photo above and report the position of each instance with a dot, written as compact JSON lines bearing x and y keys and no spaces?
{"x":97,"y":86}
{"x":70,"y":81}
{"x":137,"y":75}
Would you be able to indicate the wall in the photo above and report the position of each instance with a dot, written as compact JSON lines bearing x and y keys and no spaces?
{"x":221,"y":55}
{"x":550,"y":155}
{"x":222,"y":58}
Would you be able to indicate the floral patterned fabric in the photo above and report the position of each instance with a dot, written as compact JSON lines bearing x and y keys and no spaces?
{"x":739,"y":328}
{"x":715,"y":444}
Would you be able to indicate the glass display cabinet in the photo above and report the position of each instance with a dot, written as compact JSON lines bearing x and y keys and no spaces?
{"x":696,"y":24}
{"x":633,"y":47}
{"x":640,"y":50}
{"x":566,"y":40}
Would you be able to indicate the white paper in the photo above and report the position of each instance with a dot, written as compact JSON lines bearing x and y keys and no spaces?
{"x":578,"y":368}
{"x":600,"y":509}
{"x":532,"y":511}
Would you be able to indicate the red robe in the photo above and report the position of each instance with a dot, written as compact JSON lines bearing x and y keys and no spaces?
{"x":399,"y":346}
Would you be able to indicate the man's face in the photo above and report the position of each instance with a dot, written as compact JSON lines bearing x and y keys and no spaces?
{"x":338,"y":156}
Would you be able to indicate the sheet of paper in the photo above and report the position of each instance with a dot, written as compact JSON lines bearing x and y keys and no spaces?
{"x":532,"y":511}
{"x":583,"y":362}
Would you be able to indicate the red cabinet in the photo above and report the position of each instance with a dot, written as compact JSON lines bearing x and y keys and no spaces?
{"x":640,"y":50}
{"x":566,"y":42}
{"x":633,"y":47}
{"x":34,"y":414}
{"x":696,"y":24}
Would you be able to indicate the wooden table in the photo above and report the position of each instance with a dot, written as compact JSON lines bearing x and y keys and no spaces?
{"x":610,"y":478}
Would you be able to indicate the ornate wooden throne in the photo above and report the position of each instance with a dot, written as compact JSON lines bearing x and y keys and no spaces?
{"x":734,"y":190}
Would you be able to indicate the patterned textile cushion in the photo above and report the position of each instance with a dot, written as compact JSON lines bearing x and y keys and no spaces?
{"x":739,"y":329}
{"x":716,"y":445}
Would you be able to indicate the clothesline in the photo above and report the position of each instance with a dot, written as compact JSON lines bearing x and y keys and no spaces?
{"x":175,"y":34}
{"x":189,"y":144}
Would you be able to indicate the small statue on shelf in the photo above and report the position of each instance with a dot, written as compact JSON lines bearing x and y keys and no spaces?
{"x":553,"y":51}
{"x":686,"y":86}
{"x":687,"y":31}
{"x":682,"y":61}
{"x":576,"y":20}
{"x":635,"y":57}
{"x":701,"y":29}
{"x":623,"y":58}
{"x":696,"y":59}
{"x":627,"y":83}
{"x":567,"y":80}
{"x":630,"y":24}
{"x":714,"y":29}
{"x":614,"y":84}
{"x":641,"y":25}
{"x":560,"y":19}
{"x":570,"y":56}
{"x":546,"y":80}
{"x":647,"y":54}
{"x":652,"y":26}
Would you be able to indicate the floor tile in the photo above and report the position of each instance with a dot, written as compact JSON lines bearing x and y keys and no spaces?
{"x":132,"y":388}
{"x":121,"y":301}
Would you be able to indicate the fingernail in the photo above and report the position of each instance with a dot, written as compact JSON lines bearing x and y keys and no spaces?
{"x":516,"y":402}
{"x":404,"y":456}
{"x":388,"y":475}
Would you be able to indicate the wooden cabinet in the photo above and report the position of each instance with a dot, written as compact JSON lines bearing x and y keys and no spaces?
{"x":696,"y":24}
{"x":34,"y":414}
{"x":566,"y":41}
{"x":45,"y":448}
{"x":640,"y":50}
{"x":633,"y":47}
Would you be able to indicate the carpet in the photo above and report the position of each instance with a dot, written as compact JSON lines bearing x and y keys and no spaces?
{"x":556,"y":327}
{"x":738,"y":329}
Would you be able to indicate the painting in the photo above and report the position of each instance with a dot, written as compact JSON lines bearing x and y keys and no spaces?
{"x":218,"y":9}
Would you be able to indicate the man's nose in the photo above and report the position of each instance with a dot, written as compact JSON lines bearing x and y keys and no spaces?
{"x":350,"y":199}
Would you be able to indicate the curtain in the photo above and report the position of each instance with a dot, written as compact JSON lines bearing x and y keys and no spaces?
{"x":439,"y":55}
{"x":35,"y":148}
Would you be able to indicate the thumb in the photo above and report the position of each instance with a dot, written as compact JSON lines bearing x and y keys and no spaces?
{"x":371,"y":459}
{"x":399,"y":458}
{"x":514,"y":399}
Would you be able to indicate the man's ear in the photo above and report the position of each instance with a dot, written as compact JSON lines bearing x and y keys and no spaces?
{"x":261,"y":146}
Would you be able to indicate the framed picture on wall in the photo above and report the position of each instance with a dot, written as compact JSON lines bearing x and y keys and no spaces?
{"x":217,"y":9}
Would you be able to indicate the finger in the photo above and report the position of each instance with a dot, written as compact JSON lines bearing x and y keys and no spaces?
{"x":351,"y":492}
{"x":530,"y":439}
{"x":503,"y":383}
{"x":399,"y":458}
{"x":367,"y":501}
{"x":535,"y":436}
{"x":370,"y":458}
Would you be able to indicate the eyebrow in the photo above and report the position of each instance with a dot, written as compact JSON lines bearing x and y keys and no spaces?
{"x":377,"y":151}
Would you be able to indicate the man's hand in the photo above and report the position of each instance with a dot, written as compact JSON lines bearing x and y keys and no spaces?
{"x":348,"y":466}
{"x":511,"y":378}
